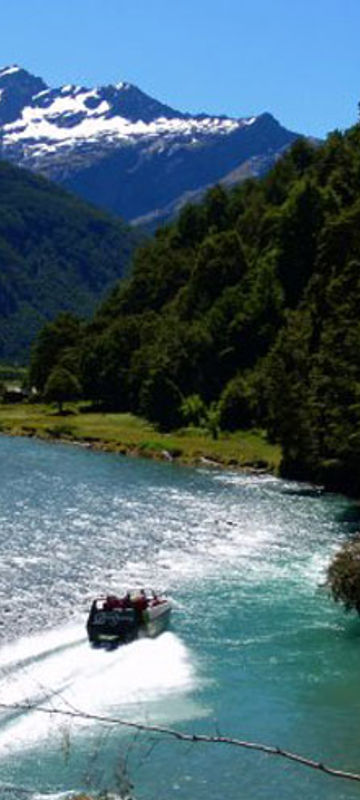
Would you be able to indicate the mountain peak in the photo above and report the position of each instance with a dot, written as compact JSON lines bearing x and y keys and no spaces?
{"x":15,"y":74}
{"x":17,"y":87}
{"x":122,"y":148}
{"x":10,"y":70}
{"x":123,"y":86}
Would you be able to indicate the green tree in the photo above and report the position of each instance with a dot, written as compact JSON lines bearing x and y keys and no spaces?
{"x":216,"y":209}
{"x":104,"y":362}
{"x":191,"y":225}
{"x":61,"y":386}
{"x":301,"y":222}
{"x":292,"y":416}
{"x":212,"y":420}
{"x":237,"y":405}
{"x":220,"y":263}
{"x":160,"y":401}
{"x":54,"y":340}
{"x":193,"y":410}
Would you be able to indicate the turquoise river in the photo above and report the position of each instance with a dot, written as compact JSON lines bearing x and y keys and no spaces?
{"x":256,"y":650}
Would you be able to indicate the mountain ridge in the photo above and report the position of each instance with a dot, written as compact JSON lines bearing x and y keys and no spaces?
{"x":123,"y":150}
{"x":57,"y":253}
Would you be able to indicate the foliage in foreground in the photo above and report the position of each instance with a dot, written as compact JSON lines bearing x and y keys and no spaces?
{"x":344,"y":576}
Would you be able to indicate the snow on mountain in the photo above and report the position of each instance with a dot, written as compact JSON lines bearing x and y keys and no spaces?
{"x":68,"y":115}
{"x":9,"y":70}
{"x":105,"y":142}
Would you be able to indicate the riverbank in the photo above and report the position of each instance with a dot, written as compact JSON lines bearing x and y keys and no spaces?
{"x":130,"y":435}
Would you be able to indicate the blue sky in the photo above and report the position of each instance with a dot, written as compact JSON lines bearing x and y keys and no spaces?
{"x":298,"y":60}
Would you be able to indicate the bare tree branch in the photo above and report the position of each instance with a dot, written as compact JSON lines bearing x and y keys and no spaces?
{"x":190,"y":737}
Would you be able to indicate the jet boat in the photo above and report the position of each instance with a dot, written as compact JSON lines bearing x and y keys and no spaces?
{"x":115,"y":620}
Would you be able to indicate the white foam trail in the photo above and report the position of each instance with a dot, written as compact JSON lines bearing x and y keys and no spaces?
{"x":37,"y":645}
{"x":74,"y":676}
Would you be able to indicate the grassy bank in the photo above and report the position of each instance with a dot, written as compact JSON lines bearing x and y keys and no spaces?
{"x":124,"y":433}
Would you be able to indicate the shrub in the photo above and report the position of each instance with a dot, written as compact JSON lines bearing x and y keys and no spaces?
{"x":343,"y":577}
{"x":193,"y":410}
{"x":236,"y":405}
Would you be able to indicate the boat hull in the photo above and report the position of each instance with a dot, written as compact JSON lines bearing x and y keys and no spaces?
{"x":156,"y":620}
{"x":120,"y":626}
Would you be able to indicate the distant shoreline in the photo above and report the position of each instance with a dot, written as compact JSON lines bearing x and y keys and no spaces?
{"x":134,"y":437}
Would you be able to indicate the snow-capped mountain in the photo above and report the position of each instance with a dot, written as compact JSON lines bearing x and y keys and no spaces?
{"x":123,"y":150}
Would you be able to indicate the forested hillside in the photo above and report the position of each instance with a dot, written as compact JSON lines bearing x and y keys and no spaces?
{"x":244,"y":312}
{"x":56,"y":253}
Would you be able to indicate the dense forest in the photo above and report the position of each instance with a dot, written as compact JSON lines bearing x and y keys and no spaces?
{"x":243,"y":312}
{"x":56,"y":253}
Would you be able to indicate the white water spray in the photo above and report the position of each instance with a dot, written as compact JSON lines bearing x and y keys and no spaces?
{"x":60,"y":670}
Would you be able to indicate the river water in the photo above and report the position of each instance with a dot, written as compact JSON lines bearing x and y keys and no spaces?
{"x":256,"y":650}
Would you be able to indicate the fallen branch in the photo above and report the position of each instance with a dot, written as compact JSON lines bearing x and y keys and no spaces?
{"x":190,"y":737}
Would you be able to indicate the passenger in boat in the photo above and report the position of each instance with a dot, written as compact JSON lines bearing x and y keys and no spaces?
{"x":155,"y":600}
{"x":126,"y":601}
{"x":112,"y":602}
{"x":140,"y":601}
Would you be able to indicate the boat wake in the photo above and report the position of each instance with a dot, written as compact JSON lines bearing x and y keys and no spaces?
{"x":59,"y":671}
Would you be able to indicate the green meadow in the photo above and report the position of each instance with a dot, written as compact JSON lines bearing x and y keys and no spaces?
{"x":131,"y":435}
